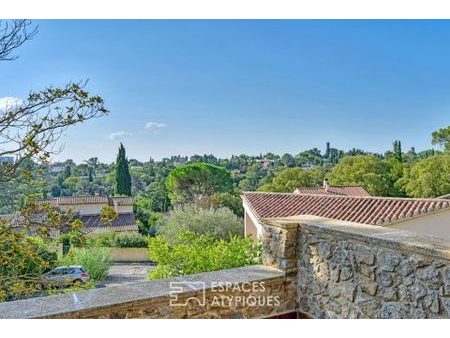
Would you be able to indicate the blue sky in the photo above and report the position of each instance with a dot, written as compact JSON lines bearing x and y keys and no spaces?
{"x":231,"y":87}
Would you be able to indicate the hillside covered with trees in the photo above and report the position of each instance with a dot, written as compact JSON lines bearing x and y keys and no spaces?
{"x":211,"y":181}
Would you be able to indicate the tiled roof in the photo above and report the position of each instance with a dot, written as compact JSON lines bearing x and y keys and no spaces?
{"x":365,"y":210}
{"x":93,"y":223}
{"x":123,"y":222}
{"x":333,"y":190}
{"x":74,"y":200}
{"x":122,"y":200}
{"x":79,"y":200}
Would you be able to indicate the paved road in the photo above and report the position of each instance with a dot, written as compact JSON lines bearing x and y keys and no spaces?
{"x":124,"y":273}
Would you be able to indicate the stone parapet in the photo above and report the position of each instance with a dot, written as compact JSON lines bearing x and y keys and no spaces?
{"x":247,"y":292}
{"x":279,"y":244}
{"x":360,"y":271}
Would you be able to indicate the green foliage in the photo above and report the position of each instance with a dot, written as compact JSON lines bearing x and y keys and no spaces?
{"x":442,"y":137}
{"x":118,"y":240}
{"x":291,"y":178}
{"x":108,"y":214}
{"x":144,"y":210}
{"x":122,"y":172}
{"x":429,"y":177}
{"x":155,"y":198}
{"x":196,"y":253}
{"x":309,"y":157}
{"x":96,"y":261}
{"x":288,"y":160}
{"x":398,"y":150}
{"x":23,"y":259}
{"x":223,"y":200}
{"x":365,"y":170}
{"x":192,"y":182}
{"x":220,"y":223}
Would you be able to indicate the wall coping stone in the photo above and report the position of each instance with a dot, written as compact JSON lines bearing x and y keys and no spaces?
{"x":397,"y":239}
{"x":100,"y":298}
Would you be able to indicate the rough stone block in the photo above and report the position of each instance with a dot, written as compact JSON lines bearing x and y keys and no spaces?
{"x":369,"y":286}
{"x":385,"y":279}
{"x":367,"y":270}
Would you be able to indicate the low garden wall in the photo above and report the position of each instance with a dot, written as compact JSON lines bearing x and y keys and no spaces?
{"x":130,"y":254}
{"x":247,"y":292}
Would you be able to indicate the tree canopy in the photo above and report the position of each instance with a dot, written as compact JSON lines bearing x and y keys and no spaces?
{"x":442,"y":137}
{"x":290,"y":179}
{"x":192,"y":182}
{"x":365,"y":170}
{"x":429,"y":177}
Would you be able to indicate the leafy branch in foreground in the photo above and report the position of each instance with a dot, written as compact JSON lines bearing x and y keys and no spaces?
{"x":30,"y":128}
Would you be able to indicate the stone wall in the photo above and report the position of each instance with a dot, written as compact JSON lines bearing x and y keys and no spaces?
{"x":247,"y":292}
{"x":358,"y":271}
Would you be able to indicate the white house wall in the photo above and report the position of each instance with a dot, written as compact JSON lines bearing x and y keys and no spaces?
{"x":437,"y":224}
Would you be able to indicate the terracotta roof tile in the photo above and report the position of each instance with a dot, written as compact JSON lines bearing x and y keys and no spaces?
{"x":365,"y":210}
{"x":121,"y":200}
{"x":74,"y":200}
{"x":343,"y":190}
{"x":77,"y":200}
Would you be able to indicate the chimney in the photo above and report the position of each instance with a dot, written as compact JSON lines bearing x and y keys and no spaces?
{"x":116,"y":207}
{"x":325,"y":184}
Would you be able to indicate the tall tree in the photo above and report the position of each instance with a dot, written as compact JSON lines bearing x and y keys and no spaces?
{"x":327,"y":150}
{"x":193,"y":182}
{"x":398,"y":150}
{"x":67,"y":171}
{"x":366,"y":170}
{"x":429,"y":177}
{"x":123,"y":176}
{"x":288,"y":160}
{"x":442,"y":137}
{"x":290,"y":179}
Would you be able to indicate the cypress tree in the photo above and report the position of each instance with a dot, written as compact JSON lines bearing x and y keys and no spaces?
{"x":327,"y":150}
{"x":398,"y":150}
{"x":123,"y":177}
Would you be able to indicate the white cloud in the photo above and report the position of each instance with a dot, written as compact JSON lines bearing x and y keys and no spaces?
{"x":118,"y":135}
{"x":154,"y":125}
{"x":10,"y":103}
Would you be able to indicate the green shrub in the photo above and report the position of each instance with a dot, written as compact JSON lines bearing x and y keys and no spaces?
{"x":23,"y":259}
{"x":196,"y":253}
{"x":219,"y":223}
{"x":119,"y":240}
{"x":96,"y":261}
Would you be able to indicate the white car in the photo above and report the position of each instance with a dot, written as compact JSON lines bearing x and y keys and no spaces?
{"x":65,"y":275}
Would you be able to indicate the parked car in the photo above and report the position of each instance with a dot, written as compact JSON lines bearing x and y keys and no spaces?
{"x":65,"y":275}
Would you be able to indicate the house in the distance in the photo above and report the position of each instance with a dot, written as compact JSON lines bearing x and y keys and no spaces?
{"x":88,"y":208}
{"x":427,"y":216}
